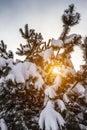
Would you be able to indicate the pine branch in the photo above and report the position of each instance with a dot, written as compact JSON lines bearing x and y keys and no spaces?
{"x":70,"y":17}
{"x":64,"y":33}
{"x":25,"y":34}
{"x":3,"y":47}
{"x":78,"y":79}
{"x":3,"y":51}
{"x":84,"y":49}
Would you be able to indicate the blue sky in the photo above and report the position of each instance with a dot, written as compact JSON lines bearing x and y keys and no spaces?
{"x":42,"y":15}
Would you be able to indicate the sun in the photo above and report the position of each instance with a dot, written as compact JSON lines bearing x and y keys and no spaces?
{"x":56,"y":70}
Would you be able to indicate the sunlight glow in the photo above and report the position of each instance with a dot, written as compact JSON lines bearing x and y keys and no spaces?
{"x":56,"y":70}
{"x":77,"y":58}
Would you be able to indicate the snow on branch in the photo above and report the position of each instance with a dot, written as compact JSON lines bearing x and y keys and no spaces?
{"x":33,"y":39}
{"x":70,"y":17}
{"x":73,"y":39}
{"x":3,"y":125}
{"x":34,"y":44}
{"x":61,"y":105}
{"x":3,"y":51}
{"x":22,"y":72}
{"x":50,"y":119}
{"x":57,"y":43}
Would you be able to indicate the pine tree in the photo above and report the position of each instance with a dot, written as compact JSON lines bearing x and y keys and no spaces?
{"x":44,"y":91}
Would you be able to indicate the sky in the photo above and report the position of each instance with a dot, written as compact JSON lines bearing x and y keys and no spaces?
{"x":42,"y":15}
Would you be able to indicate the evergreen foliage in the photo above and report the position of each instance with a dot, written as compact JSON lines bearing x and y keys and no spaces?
{"x":44,"y":91}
